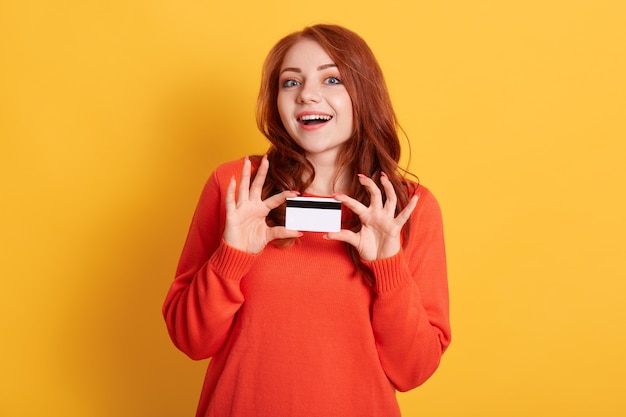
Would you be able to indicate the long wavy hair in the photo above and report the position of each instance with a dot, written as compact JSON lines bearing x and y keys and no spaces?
{"x":374,"y":146}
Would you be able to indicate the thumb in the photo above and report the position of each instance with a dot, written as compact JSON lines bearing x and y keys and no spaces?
{"x":280,"y":232}
{"x":347,"y":236}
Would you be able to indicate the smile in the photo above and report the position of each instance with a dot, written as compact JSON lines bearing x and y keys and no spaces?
{"x":313,"y":119}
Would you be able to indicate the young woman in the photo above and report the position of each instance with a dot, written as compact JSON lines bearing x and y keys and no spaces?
{"x":304,"y":323}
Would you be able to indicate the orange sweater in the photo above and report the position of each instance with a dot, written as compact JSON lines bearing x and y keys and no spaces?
{"x":296,"y":331}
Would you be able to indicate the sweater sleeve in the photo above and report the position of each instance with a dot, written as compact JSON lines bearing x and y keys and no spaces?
{"x":201,"y":303}
{"x":410,"y":314}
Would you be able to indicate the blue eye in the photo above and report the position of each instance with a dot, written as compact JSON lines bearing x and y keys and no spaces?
{"x":290,"y":83}
{"x":333,"y":80}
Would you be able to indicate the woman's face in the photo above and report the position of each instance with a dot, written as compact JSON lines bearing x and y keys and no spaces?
{"x":313,"y":103}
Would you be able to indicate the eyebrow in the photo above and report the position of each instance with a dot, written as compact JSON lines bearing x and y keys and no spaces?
{"x":320,"y":68}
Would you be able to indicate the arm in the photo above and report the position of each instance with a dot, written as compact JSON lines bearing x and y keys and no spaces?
{"x":410,"y":311}
{"x":202,"y":301}
{"x":225,"y":236}
{"x":410,"y":316}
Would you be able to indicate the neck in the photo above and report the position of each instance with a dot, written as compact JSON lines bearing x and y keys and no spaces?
{"x":325,"y":183}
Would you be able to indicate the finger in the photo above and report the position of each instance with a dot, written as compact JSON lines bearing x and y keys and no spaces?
{"x":356,"y":206}
{"x":390,"y":193}
{"x":230,"y":195}
{"x":347,"y":236}
{"x":244,"y":186}
{"x":376,"y":198}
{"x":278,"y":199}
{"x":408,"y":210}
{"x":256,"y":190}
{"x":279,"y":232}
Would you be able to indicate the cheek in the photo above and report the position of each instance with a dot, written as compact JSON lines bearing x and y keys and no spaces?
{"x":341,"y":101}
{"x":283,"y":109}
{"x":280,"y":104}
{"x":343,"y":105}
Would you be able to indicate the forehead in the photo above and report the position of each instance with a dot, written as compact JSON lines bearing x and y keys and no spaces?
{"x":306,"y":52}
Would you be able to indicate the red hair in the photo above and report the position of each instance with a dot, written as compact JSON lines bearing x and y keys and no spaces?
{"x":375,"y":138}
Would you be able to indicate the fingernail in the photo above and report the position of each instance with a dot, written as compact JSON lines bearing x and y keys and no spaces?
{"x":382,"y":174}
{"x":361,"y":176}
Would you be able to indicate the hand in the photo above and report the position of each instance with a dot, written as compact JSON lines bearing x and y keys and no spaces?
{"x":380,"y":232}
{"x":246,"y":228}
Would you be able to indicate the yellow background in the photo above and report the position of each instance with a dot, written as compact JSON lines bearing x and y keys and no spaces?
{"x":113,"y":113}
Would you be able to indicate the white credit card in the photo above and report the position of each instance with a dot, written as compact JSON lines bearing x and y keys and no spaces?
{"x":313,"y":214}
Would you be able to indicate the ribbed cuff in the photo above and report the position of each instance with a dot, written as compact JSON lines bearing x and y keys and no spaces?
{"x":231,"y":263}
{"x":389,"y":273}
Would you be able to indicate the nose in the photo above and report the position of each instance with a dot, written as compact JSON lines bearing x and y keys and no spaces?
{"x":309,"y":93}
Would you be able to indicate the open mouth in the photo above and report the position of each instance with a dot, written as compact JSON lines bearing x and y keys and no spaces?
{"x":314,"y":119}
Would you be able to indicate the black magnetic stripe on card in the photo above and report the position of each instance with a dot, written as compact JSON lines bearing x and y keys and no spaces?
{"x":324,"y":205}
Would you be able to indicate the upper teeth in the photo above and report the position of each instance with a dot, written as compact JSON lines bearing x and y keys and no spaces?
{"x":315,"y":117}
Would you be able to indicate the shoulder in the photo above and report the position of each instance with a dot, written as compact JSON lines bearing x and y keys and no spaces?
{"x":427,"y":204}
{"x":425,"y":194}
{"x":226,"y":170}
{"x":217,"y":182}
{"x":417,"y":188}
{"x":426,"y":225}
